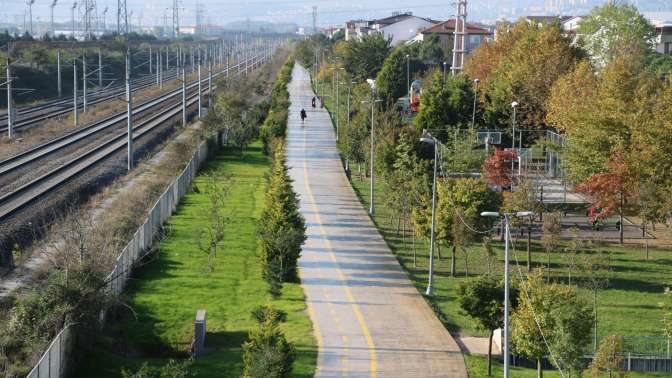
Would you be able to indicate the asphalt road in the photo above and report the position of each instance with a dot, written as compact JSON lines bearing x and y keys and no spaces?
{"x":368,"y":318}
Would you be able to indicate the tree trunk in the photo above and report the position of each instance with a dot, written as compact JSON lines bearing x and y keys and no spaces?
{"x":529,"y":250}
{"x":620,"y":212}
{"x":414,"y":254}
{"x":540,"y":369}
{"x":466,"y":262}
{"x":490,"y":354}
{"x":595,"y":321}
{"x":452,"y":261}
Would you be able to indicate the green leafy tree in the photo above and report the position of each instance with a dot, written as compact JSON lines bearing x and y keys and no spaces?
{"x":550,"y":319}
{"x":447,"y":105}
{"x":526,"y":74}
{"x":551,"y":229}
{"x":430,"y":50}
{"x":523,"y":198}
{"x":391,"y":80}
{"x":611,"y":29}
{"x":459,"y":207}
{"x":363,"y":57}
{"x":483,"y":300}
{"x":607,"y":358}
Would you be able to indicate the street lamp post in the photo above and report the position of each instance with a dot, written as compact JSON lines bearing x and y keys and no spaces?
{"x":514,"y":105}
{"x":347,"y":152}
{"x":473,"y":114}
{"x":506,"y":217}
{"x":408,"y":76}
{"x":373,"y":102}
{"x":428,"y":138}
{"x":444,"y":73}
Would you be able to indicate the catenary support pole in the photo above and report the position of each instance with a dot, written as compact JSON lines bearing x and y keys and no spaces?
{"x":84,"y":102}
{"x":10,"y":105}
{"x":100,"y":69}
{"x":129,"y":112}
{"x":58,"y":73}
{"x":200,"y":93}
{"x":184,"y":98}
{"x":74,"y":92}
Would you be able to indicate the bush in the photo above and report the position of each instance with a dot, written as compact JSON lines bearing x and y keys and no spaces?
{"x":267,"y":353}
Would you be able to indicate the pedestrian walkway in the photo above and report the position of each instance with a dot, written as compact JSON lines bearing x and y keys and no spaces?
{"x":369,"y":320}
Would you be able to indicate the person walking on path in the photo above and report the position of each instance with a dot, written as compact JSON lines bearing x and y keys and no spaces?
{"x":303,"y":115}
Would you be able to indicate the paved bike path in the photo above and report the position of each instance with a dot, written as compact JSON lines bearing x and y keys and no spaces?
{"x":369,"y":319}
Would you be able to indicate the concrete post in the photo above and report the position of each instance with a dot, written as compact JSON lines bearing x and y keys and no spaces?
{"x":58,"y":73}
{"x":184,"y":98}
{"x":210,"y":94}
{"x":84,"y":82}
{"x":158,"y":70}
{"x":199,"y":90}
{"x":100,"y":69}
{"x":10,"y":108}
{"x":150,"y":60}
{"x":74,"y":92}
{"x":129,"y":112}
{"x":167,"y":59}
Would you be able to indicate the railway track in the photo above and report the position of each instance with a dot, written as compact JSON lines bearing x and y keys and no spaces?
{"x":17,"y":199}
{"x":33,"y":115}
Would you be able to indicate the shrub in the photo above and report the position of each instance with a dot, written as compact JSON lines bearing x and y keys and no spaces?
{"x":267,"y":353}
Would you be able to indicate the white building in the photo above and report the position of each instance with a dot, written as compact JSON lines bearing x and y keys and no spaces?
{"x":405,"y":30}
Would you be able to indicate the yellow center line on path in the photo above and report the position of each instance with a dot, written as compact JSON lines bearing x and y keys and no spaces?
{"x":355,"y":307}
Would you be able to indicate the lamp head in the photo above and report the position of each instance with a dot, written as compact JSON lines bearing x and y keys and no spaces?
{"x":490,"y":214}
{"x":476,"y":81}
{"x":523,"y":214}
{"x":514,"y":104}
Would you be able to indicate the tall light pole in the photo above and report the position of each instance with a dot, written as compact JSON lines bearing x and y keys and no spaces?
{"x":338,"y":104}
{"x":473,"y":114}
{"x":30,"y":14}
{"x":445,"y":64}
{"x":505,"y":218}
{"x":129,"y":111}
{"x":10,"y":108}
{"x":72,"y":14}
{"x":53,"y":31}
{"x":347,"y":153}
{"x":514,"y":105}
{"x":428,"y":138}
{"x":373,"y":102}
{"x":408,"y":77}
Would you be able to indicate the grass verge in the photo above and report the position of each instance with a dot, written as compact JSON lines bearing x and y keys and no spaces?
{"x":166,"y":293}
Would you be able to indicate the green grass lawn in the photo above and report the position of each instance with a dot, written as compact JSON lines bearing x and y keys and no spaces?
{"x":634,"y":292}
{"x":166,"y":293}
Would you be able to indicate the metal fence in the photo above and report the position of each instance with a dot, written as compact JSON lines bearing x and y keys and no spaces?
{"x":158,"y":215}
{"x":54,"y":361}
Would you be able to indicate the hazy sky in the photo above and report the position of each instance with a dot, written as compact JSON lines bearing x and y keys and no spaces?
{"x":300,"y":11}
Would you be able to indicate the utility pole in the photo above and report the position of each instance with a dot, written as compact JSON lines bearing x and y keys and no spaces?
{"x":184,"y":97}
{"x":158,"y":69}
{"x":176,"y":19}
{"x":30,"y":15}
{"x":129,"y":111}
{"x":210,"y":85}
{"x":199,"y":90}
{"x":460,"y":37}
{"x":314,"y":19}
{"x":10,"y":105}
{"x":74,"y":92}
{"x":122,"y":17}
{"x":100,"y":69}
{"x":53,"y":31}
{"x":150,"y":60}
{"x":84,"y":86}
{"x":104,"y":28}
{"x":58,"y":73}
{"x":72,"y":14}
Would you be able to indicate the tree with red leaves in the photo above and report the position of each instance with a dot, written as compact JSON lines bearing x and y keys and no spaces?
{"x":608,"y":190}
{"x":497,"y":168}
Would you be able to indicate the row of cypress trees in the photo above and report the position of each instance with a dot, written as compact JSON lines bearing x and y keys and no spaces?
{"x":282,"y":230}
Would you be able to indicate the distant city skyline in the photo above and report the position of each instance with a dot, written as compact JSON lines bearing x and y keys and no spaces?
{"x":330,"y":12}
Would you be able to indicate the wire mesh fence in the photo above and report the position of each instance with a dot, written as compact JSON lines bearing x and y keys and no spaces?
{"x":54,"y":361}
